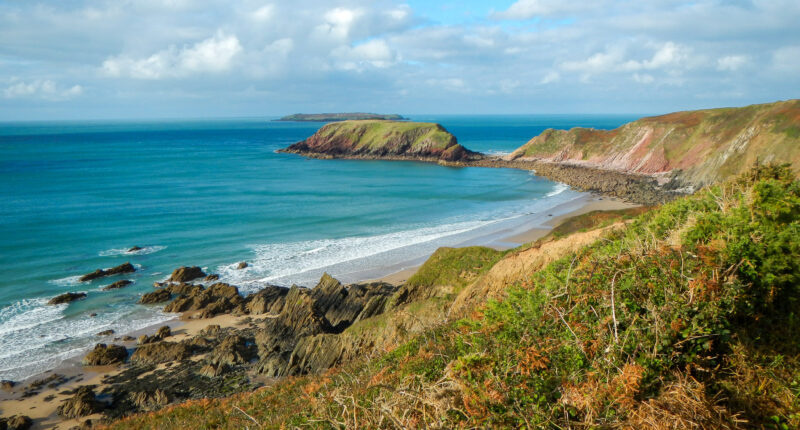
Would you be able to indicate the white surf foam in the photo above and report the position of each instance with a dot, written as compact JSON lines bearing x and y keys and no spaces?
{"x":69,"y":281}
{"x":558,"y":189}
{"x":126,"y":251}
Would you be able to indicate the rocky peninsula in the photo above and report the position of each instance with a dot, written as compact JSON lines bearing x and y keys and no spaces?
{"x":333,"y":117}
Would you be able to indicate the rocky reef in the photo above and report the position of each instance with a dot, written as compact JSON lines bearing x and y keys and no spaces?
{"x":383,"y":140}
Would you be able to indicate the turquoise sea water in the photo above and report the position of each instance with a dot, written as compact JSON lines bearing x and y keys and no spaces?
{"x":76,"y":195}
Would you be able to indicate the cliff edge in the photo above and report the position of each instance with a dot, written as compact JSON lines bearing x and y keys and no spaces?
{"x":692,"y":148}
{"x":372,"y":139}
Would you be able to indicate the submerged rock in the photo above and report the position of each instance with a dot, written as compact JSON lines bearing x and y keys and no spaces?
{"x":105,"y":333}
{"x":66,"y":298}
{"x":157,"y":296}
{"x":211,"y":278}
{"x":185,"y":274}
{"x":119,"y":284}
{"x":103,"y":355}
{"x":135,"y":248}
{"x":242,"y":265}
{"x":101,"y":273}
{"x":81,"y":404}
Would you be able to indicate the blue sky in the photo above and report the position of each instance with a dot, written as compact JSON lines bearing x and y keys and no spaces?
{"x":82,"y":59}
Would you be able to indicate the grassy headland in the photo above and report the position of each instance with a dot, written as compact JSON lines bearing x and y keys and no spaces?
{"x":331,"y":117}
{"x":685,"y":317}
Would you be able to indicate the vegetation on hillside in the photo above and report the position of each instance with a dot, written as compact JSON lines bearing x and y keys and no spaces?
{"x":686,"y":318}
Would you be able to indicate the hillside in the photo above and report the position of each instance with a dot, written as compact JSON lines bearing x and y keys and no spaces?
{"x":331,"y":117}
{"x":685,"y":317}
{"x":383,"y":139}
{"x":696,"y":147}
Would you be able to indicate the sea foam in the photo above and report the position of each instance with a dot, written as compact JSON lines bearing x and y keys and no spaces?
{"x":126,"y":251}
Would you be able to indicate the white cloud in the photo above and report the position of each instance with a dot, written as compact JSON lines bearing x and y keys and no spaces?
{"x":374,"y":53}
{"x":643,"y":78}
{"x":787,"y":59}
{"x":527,"y":9}
{"x":732,"y":63}
{"x":41,"y":89}
{"x":264,"y":13}
{"x":670,"y":54}
{"x":339,"y":22}
{"x":212,"y":55}
{"x":550,"y":77}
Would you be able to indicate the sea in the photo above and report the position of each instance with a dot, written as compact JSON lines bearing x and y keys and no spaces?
{"x":76,"y":196}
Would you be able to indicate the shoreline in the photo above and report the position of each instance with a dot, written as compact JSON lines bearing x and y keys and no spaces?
{"x":41,"y":407}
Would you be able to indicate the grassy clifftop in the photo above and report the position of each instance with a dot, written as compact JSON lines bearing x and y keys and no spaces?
{"x":703,"y":146}
{"x":685,"y":318}
{"x":383,"y":139}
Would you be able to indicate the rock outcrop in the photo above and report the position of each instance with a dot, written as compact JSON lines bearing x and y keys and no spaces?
{"x":81,"y":404}
{"x":186,"y":274}
{"x":102,"y":273}
{"x":383,"y":140}
{"x":16,"y":422}
{"x":161,"y":352}
{"x":103,"y":355}
{"x":157,"y":296}
{"x":66,"y":298}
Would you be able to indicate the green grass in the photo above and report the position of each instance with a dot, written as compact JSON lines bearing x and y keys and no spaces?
{"x":455,"y":266}
{"x":687,"y":317}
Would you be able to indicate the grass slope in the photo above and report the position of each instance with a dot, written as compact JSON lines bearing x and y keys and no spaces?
{"x":686,"y":318}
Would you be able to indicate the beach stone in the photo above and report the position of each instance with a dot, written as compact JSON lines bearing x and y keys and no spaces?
{"x":81,"y":404}
{"x":157,"y":296}
{"x":103,"y":355}
{"x":106,"y":332}
{"x":135,"y":248}
{"x":149,"y":401}
{"x":66,"y":298}
{"x":101,"y":273}
{"x":16,"y":422}
{"x":184,"y":274}
{"x":7,"y":385}
{"x":211,"y":278}
{"x":161,"y":352}
{"x":128,"y":338}
{"x":241,"y":265}
{"x":119,"y":284}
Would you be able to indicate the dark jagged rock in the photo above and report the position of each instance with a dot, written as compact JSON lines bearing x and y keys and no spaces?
{"x":119,"y":284}
{"x":81,"y":404}
{"x":233,"y":350}
{"x":186,"y":274}
{"x":103,"y":355}
{"x":211,"y":278}
{"x":16,"y":422}
{"x":162,"y":333}
{"x":135,"y":248}
{"x":157,"y":296}
{"x":161,"y":352}
{"x":217,"y":299}
{"x":268,"y":300}
{"x":66,"y":298}
{"x":101,"y":273}
{"x":105,"y":333}
{"x":149,"y":401}
{"x":241,"y":265}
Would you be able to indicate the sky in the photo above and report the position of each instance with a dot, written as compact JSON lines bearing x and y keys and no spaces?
{"x":133,"y":59}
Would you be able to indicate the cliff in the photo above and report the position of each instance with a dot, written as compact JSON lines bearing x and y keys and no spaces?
{"x":383,"y":140}
{"x":692,"y":148}
{"x":330,"y":117}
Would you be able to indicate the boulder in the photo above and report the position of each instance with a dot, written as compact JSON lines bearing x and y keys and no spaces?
{"x":119,"y":284}
{"x":7,"y":385}
{"x":217,"y":299}
{"x":241,"y":265}
{"x":81,"y":404}
{"x":162,"y":333}
{"x":149,"y":401}
{"x":156,"y":296}
{"x":128,"y":338}
{"x":211,"y":278}
{"x":184,"y":274}
{"x":103,"y":355}
{"x":161,"y":352}
{"x":66,"y":298}
{"x":16,"y":422}
{"x":101,"y":273}
{"x":106,"y":333}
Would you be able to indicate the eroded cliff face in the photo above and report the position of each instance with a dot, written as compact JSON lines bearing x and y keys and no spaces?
{"x":694,"y":148}
{"x":383,"y":140}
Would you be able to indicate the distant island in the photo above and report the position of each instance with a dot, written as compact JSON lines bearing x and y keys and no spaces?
{"x":328,"y":117}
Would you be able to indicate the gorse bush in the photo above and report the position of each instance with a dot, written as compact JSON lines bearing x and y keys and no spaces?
{"x":686,"y":318}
